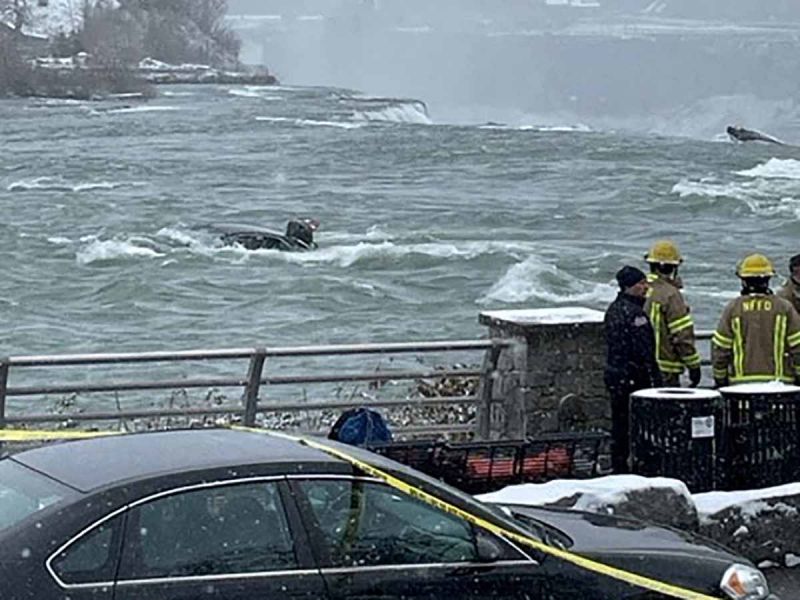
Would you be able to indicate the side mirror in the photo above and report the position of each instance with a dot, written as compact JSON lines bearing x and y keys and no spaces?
{"x":488,"y":546}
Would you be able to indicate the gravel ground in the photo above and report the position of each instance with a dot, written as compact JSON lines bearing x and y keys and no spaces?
{"x":784,"y":582}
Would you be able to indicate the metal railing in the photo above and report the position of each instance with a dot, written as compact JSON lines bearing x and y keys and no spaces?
{"x":251,"y":383}
{"x":254,"y":380}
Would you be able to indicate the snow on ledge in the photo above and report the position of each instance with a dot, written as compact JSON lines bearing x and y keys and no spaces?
{"x":594,"y":492}
{"x":769,"y":387}
{"x":546,"y":316}
{"x":667,"y":393}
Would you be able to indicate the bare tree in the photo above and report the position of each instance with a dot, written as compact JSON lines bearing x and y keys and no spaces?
{"x":174,"y":31}
{"x":15,"y":13}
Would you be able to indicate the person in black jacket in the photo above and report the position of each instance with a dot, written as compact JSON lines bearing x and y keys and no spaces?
{"x":630,"y":362}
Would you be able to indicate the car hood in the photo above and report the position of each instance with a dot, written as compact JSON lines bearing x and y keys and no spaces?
{"x":661,"y":552}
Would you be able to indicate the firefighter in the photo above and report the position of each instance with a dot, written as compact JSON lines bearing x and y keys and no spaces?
{"x":758,"y":336}
{"x":630,"y":363}
{"x":791,"y":289}
{"x":669,"y":314}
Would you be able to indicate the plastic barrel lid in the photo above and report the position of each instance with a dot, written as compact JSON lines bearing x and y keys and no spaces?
{"x":761,"y":388}
{"x":676,"y":393}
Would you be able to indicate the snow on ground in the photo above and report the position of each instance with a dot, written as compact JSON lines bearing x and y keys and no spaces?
{"x":57,"y":16}
{"x":603,"y":491}
{"x":709,"y":503}
{"x":594,"y":492}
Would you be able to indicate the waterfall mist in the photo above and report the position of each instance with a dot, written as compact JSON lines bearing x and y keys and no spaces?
{"x":655,"y":66}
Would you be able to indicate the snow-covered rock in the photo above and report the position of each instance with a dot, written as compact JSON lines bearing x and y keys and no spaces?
{"x":763,"y":525}
{"x":656,"y":499}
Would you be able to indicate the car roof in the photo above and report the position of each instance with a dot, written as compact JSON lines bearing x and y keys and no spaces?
{"x":97,"y":462}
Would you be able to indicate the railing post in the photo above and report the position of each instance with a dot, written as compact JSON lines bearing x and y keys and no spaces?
{"x":484,"y":394}
{"x":521,"y":363}
{"x":4,"y":364}
{"x":254,"y":373}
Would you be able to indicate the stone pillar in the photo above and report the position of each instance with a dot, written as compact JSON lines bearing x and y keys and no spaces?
{"x":552,"y":380}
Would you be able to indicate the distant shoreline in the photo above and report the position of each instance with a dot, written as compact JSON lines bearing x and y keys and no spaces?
{"x":67,"y":80}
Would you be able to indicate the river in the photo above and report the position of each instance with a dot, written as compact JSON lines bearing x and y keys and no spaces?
{"x":425,"y":222}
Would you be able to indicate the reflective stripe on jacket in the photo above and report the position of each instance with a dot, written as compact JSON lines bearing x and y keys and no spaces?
{"x":757,"y":339}
{"x":672,"y":324}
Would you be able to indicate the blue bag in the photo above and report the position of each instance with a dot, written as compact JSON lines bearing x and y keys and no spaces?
{"x":360,"y":427}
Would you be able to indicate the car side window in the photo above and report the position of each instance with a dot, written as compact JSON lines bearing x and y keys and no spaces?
{"x":209,"y":531}
{"x":93,"y":557}
{"x":369,"y":523}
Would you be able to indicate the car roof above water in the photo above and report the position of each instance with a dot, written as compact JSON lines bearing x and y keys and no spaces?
{"x":98,"y":462}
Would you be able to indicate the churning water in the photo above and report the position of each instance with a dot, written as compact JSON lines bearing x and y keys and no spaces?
{"x":107,"y":205}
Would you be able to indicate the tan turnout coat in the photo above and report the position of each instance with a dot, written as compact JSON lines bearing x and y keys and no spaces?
{"x":757,"y":339}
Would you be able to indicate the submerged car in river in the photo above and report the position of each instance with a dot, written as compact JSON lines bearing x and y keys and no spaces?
{"x":239,"y":515}
{"x":298,"y":237}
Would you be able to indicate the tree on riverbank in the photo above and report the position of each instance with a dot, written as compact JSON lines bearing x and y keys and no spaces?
{"x":115,"y":36}
{"x":172,"y":31}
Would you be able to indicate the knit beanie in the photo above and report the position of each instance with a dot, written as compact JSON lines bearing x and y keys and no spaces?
{"x":629,"y":276}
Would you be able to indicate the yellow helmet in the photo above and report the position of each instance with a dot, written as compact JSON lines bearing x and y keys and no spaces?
{"x":664,"y":252}
{"x":755,"y":265}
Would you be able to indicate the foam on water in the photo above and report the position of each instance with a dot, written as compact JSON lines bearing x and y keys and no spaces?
{"x":311,"y":122}
{"x":142,"y":109}
{"x":176,"y":234}
{"x":774,"y":168}
{"x":349,"y":255}
{"x":253,"y":92}
{"x":400,"y":113}
{"x":534,"y":279}
{"x":244,"y":92}
{"x":60,"y":185}
{"x":372,"y":245}
{"x":97,"y":250}
{"x":763,"y":196}
{"x":555,"y":128}
{"x":59,"y":241}
{"x":713,"y":188}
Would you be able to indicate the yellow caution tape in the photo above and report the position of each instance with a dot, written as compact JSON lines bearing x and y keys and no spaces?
{"x":575,"y":559}
{"x":26,"y":435}
{"x":39,"y":435}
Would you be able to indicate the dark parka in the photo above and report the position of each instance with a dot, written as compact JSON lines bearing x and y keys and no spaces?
{"x":630,"y":342}
{"x":791,"y":292}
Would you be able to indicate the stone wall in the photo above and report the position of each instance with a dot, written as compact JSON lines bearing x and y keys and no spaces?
{"x":552,"y":380}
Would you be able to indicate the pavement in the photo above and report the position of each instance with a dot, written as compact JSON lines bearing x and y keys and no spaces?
{"x":784,"y":582}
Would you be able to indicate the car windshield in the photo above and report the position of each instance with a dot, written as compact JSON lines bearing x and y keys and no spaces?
{"x":24,"y":492}
{"x":546,"y":532}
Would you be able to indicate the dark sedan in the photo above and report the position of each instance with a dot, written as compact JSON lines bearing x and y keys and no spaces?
{"x":236,"y":515}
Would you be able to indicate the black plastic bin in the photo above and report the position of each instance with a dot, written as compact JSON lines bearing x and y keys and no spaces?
{"x":678,"y":433}
{"x":762,"y":431}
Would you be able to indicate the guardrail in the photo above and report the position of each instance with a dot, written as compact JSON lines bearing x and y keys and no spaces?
{"x":251,"y":383}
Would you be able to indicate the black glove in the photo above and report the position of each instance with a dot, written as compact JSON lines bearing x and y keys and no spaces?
{"x":695,"y":375}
